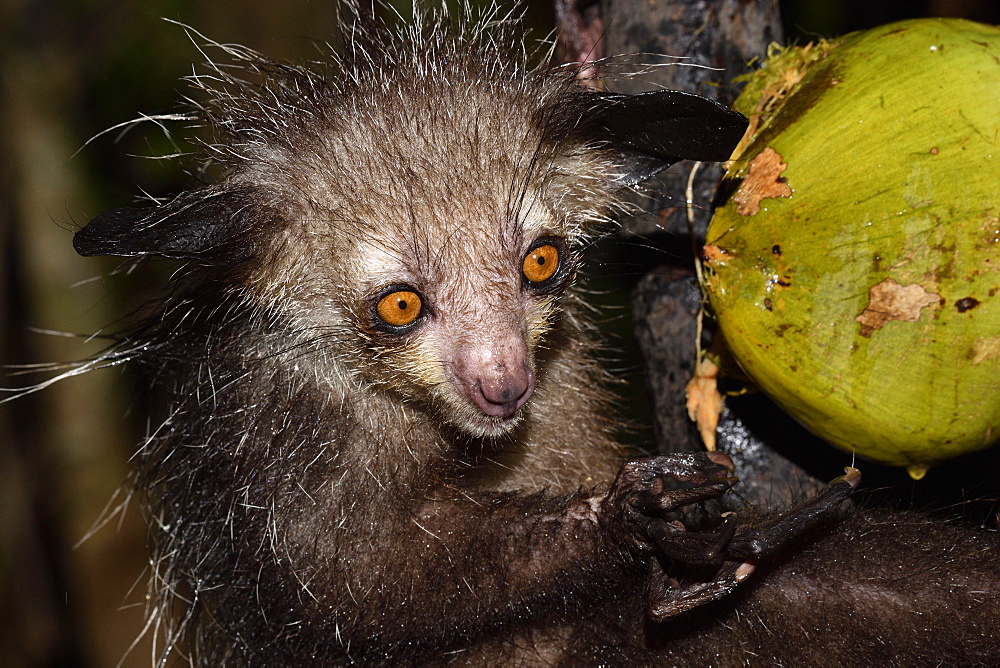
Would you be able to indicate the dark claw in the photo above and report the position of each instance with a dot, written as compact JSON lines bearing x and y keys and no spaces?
{"x":723,"y":460}
{"x":775,"y":534}
{"x":666,"y":598}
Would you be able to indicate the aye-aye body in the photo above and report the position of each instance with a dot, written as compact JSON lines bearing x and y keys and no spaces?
{"x":388,"y":437}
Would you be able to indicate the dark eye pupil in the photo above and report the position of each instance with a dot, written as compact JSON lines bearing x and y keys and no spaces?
{"x":541,"y":261}
{"x":402,"y":304}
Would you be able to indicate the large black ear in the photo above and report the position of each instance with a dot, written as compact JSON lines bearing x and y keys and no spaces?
{"x":654,"y":130}
{"x":213,"y":227}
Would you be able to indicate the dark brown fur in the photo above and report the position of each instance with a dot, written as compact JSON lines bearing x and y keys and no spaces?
{"x":326,"y":491}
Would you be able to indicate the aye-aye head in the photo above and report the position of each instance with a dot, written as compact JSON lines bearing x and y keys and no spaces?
{"x":419,"y":202}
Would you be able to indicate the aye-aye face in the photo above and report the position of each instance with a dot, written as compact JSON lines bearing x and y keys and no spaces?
{"x":436,"y":260}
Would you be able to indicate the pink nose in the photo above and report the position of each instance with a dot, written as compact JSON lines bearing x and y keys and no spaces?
{"x":503,"y":391}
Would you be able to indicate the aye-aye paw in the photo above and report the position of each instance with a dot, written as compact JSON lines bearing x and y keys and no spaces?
{"x":645,"y":488}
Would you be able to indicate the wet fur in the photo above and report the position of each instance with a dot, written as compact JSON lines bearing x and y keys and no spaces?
{"x":322,"y":492}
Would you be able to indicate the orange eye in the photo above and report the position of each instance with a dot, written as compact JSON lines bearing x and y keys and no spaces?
{"x":541,"y":263}
{"x":399,"y":308}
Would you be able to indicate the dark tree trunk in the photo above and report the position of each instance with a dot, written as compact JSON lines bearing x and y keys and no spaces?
{"x":697,"y":46}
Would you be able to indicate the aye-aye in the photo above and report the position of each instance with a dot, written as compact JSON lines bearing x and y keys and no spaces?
{"x":388,"y":437}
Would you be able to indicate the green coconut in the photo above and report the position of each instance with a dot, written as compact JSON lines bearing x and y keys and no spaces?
{"x":854,"y":267}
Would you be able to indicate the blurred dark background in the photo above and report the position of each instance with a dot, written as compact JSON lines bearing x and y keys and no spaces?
{"x":69,"y":69}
